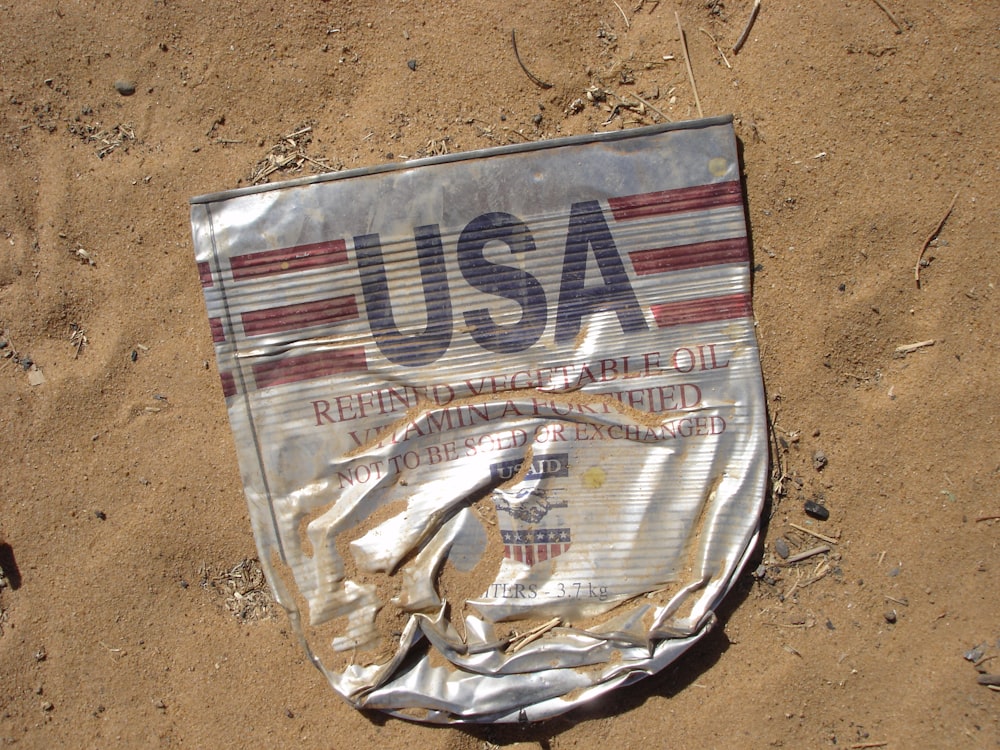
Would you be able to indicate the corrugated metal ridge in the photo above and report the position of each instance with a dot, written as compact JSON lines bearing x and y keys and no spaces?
{"x":517,"y":148}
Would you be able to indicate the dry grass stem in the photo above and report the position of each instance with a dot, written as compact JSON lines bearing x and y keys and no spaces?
{"x":717,"y":47}
{"x":931,"y":236}
{"x":657,"y":111}
{"x":627,"y":24}
{"x":687,"y":62}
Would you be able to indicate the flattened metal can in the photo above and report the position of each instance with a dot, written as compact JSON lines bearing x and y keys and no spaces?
{"x":499,"y":415}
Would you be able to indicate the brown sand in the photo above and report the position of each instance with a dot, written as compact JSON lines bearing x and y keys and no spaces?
{"x":855,"y":138}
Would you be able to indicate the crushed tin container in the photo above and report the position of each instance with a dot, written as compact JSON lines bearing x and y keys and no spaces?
{"x":499,"y":415}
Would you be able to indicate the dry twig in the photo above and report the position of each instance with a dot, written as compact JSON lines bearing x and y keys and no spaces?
{"x":903,"y":349}
{"x":931,"y":236}
{"x":806,"y":555}
{"x":687,"y":62}
{"x":746,"y":29}
{"x":516,"y":644}
{"x":816,"y":534}
{"x":898,"y":25}
{"x":535,"y":79}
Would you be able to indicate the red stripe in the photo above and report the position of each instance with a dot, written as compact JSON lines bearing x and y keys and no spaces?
{"x":205,"y":272}
{"x":716,"y":252}
{"x":518,"y":553}
{"x":304,"y":315}
{"x":506,"y":551}
{"x":529,"y":554}
{"x":286,"y":259}
{"x":218,"y":333}
{"x":228,"y":383}
{"x":309,"y":366}
{"x":543,"y":553}
{"x":702,"y":310}
{"x":697,"y":198}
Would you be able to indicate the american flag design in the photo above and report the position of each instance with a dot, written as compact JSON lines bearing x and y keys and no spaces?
{"x":530,"y":546}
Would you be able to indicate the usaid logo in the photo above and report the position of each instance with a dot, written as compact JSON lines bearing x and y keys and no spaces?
{"x":555,"y":465}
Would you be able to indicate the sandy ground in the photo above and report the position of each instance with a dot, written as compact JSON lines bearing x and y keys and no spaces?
{"x":122,"y":509}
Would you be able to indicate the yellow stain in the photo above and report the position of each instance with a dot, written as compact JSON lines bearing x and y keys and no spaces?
{"x":594,"y":477}
{"x":718,"y":166}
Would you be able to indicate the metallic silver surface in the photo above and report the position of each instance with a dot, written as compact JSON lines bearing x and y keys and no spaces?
{"x":499,"y":415}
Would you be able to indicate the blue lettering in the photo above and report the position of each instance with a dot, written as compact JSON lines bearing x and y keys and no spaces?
{"x":420,"y":348}
{"x":502,"y":281}
{"x":588,"y":229}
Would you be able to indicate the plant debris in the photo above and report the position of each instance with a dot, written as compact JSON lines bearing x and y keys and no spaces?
{"x":288,"y":154}
{"x":119,"y":136}
{"x":244,"y":589}
{"x":78,"y":338}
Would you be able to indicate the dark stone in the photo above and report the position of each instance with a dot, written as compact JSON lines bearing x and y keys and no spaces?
{"x":781,"y":547}
{"x":816,"y":510}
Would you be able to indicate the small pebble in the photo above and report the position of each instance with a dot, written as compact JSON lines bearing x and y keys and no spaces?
{"x":125,"y":88}
{"x":411,"y":64}
{"x":816,"y":510}
{"x":781,"y":547}
{"x":47,"y":706}
{"x":893,"y":572}
{"x":100,"y":515}
{"x":890,"y":616}
{"x":537,"y":119}
{"x":819,"y":460}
